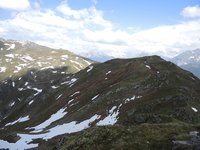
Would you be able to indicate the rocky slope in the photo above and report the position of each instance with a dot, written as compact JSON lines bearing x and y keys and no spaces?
{"x":16,"y":58}
{"x":125,"y":93}
{"x":189,"y":60}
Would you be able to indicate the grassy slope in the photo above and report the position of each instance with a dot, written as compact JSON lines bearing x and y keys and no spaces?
{"x":140,"y":137}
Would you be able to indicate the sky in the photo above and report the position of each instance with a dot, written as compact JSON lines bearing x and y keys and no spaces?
{"x":115,"y":28}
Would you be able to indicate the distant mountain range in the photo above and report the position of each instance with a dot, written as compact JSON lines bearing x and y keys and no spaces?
{"x":189,"y":60}
{"x":54,"y":99}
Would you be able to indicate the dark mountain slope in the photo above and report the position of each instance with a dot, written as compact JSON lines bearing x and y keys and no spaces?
{"x":122,"y":92}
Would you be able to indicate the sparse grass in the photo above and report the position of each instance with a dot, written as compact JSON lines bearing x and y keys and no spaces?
{"x":140,"y":137}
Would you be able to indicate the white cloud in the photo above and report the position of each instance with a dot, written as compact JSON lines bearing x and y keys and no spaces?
{"x":191,"y":11}
{"x":15,"y":4}
{"x":87,"y":32}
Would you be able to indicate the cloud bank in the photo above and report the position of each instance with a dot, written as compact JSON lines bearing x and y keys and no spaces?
{"x":191,"y":11}
{"x":87,"y":32}
{"x":14,"y":4}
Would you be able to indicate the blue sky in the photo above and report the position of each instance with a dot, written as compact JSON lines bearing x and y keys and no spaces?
{"x":118,"y":28}
{"x":138,"y":13}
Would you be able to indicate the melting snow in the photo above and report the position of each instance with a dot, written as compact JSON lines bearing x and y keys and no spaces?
{"x":194,"y":109}
{"x":21,"y":89}
{"x":132,"y":98}
{"x":54,"y":71}
{"x":38,"y":91}
{"x":28,"y":58}
{"x":21,"y":119}
{"x":49,"y":67}
{"x":90,"y":68}
{"x":70,"y":101}
{"x":10,"y":55}
{"x":147,"y":66}
{"x":39,"y":64}
{"x":111,"y":119}
{"x":59,"y":96}
{"x":13,"y":84}
{"x":108,"y":72}
{"x":95,"y":97}
{"x":64,"y":57}
{"x":74,"y":94}
{"x":76,"y":63}
{"x":71,"y":127}
{"x":30,"y":102}
{"x":54,"y":87}
{"x":12,"y":104}
{"x":11,"y":46}
{"x":58,"y":115}
{"x":18,"y":69}
{"x":2,"y":69}
{"x":69,"y":82}
{"x":87,"y":62}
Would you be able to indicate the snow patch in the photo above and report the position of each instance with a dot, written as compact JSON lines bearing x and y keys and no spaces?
{"x":95,"y":97}
{"x":89,"y":63}
{"x":3,"y":69}
{"x":10,"y":55}
{"x":13,"y":84}
{"x":38,"y":91}
{"x":54,"y":87}
{"x":21,"y":89}
{"x":69,"y":82}
{"x":90,"y":68}
{"x":59,"y":96}
{"x":71,"y":127}
{"x":75,"y":62}
{"x":108,"y":72}
{"x":27,"y":57}
{"x":21,"y":119}
{"x":74,"y":94}
{"x":70,"y":101}
{"x":132,"y":98}
{"x":111,"y":119}
{"x":147,"y":66}
{"x":18,"y":69}
{"x":11,"y":46}
{"x":58,"y":115}
{"x":194,"y":109}
{"x":49,"y":67}
{"x":64,"y":57}
{"x":12,"y":104}
{"x":30,"y":102}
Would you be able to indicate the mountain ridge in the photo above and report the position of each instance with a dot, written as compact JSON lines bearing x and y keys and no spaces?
{"x":121,"y":91}
{"x":19,"y":57}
